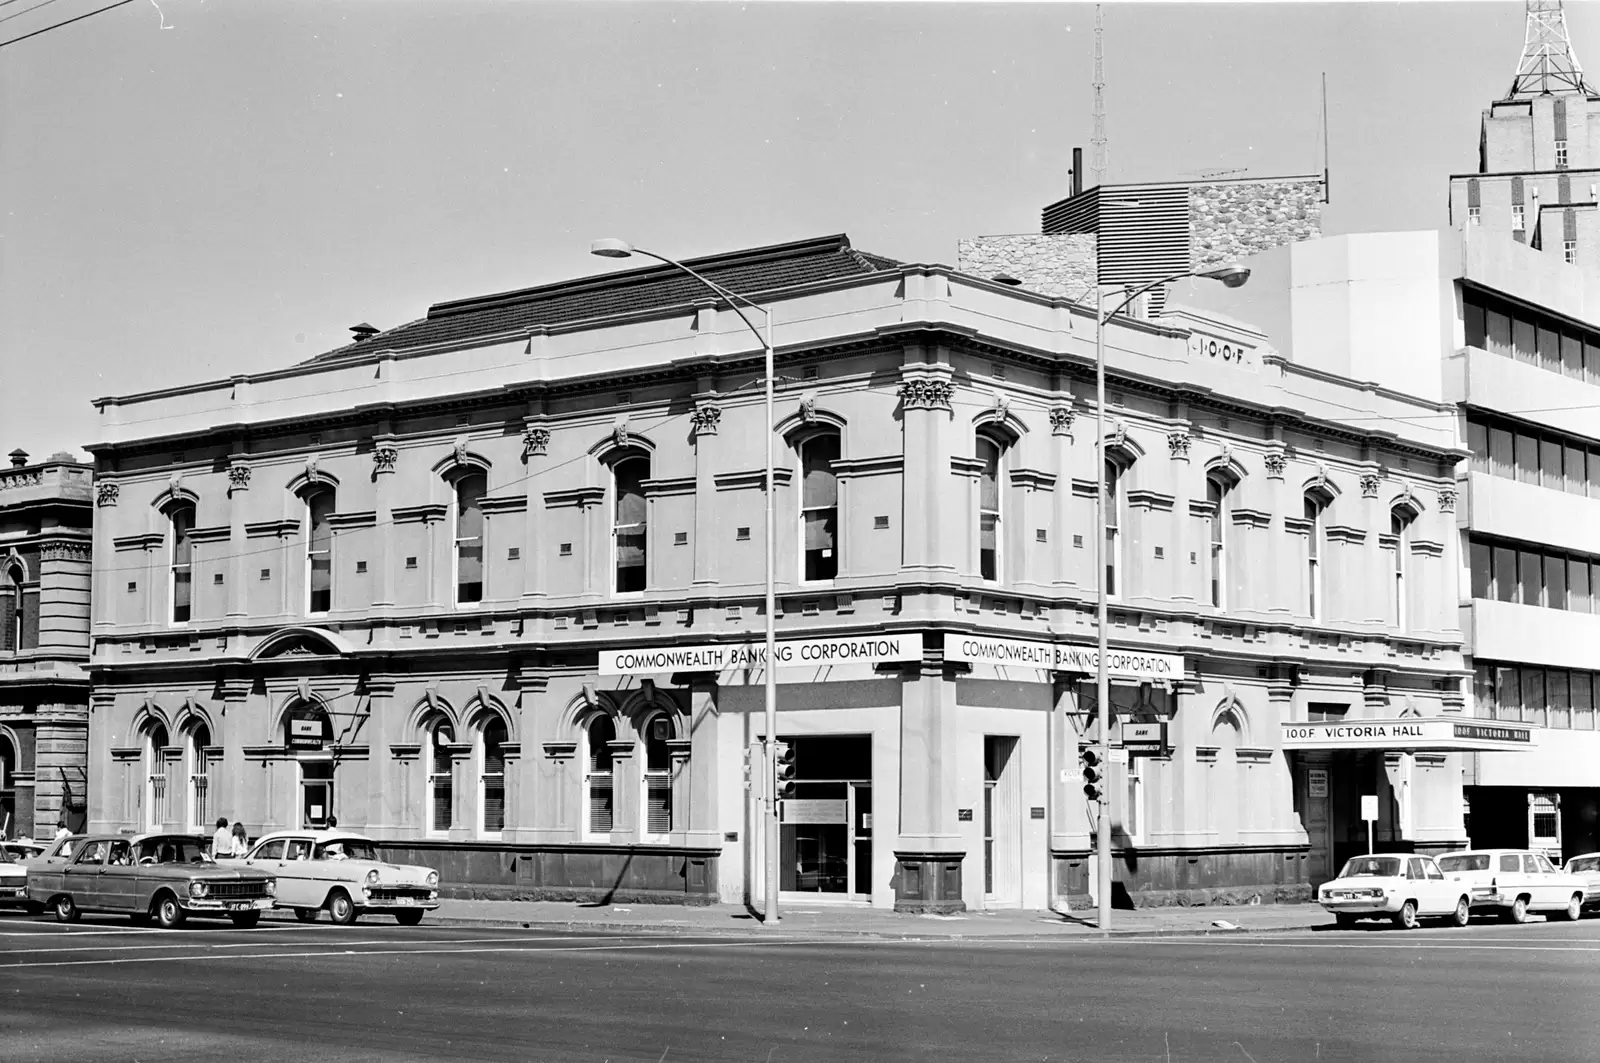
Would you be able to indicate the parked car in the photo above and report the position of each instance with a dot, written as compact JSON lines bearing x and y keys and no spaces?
{"x":1587,"y":867}
{"x":343,"y":873}
{"x":1514,"y":882}
{"x":165,"y":877}
{"x":14,"y":872}
{"x":1398,"y":886}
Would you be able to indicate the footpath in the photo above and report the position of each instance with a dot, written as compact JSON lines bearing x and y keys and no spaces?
{"x":836,"y":920}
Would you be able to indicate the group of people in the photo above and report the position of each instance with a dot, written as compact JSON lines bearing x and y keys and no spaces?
{"x":229,"y":844}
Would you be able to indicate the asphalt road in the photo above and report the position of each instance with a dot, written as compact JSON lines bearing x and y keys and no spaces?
{"x":102,"y":990}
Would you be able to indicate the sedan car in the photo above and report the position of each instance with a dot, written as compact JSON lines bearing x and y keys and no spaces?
{"x":1515,"y":882}
{"x":343,"y":873}
{"x":14,"y":872}
{"x":165,"y":877}
{"x":1587,"y":867}
{"x":1400,"y":887}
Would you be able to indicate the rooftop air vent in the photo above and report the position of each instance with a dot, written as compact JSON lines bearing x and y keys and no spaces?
{"x":19,"y":458}
{"x":361,"y":332}
{"x":1006,"y":278}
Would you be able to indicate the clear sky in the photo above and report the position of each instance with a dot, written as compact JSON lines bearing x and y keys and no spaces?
{"x":230,"y":193}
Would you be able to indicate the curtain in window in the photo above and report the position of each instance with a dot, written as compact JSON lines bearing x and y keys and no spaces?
{"x":319,"y":551}
{"x":601,"y":733}
{"x":989,"y":509}
{"x":469,"y":537}
{"x":820,"y":505}
{"x":629,"y":522}
{"x":494,"y":777}
{"x":182,"y":562}
{"x":440,"y":779}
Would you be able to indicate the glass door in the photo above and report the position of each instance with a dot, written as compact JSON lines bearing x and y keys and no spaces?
{"x":316,"y":793}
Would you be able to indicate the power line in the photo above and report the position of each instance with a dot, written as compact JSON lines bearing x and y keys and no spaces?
{"x":66,"y":22}
{"x":24,"y":11}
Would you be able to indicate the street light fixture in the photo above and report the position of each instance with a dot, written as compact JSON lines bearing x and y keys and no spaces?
{"x":612,"y":248}
{"x":1232,"y":276}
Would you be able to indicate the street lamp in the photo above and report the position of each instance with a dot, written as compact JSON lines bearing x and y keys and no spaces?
{"x":1232,"y":276}
{"x":622,"y":249}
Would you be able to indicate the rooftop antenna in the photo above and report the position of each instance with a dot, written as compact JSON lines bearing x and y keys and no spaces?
{"x":1326,"y":189}
{"x":1097,"y":143}
{"x":1549,"y":65}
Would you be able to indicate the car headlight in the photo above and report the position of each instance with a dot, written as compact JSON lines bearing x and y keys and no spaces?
{"x":372,"y":878}
{"x":433,"y":879}
{"x":199,"y":889}
{"x":272,"y":887}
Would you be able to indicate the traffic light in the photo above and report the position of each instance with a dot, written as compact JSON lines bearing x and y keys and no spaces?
{"x":1093,"y":773}
{"x":783,"y":769}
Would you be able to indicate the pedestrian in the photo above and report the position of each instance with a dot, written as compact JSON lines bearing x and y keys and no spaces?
{"x":62,"y":831}
{"x":241,"y":841}
{"x":333,"y":822}
{"x":221,"y":841}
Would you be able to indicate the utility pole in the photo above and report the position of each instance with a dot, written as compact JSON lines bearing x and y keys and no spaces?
{"x":1549,"y":65}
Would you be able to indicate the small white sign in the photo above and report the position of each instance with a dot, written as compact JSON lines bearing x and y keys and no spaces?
{"x":812,"y":810}
{"x":1118,"y":756}
{"x":1318,"y":783}
{"x":1369,"y":806}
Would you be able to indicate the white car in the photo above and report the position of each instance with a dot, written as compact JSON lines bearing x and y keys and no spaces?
{"x":1514,"y":882}
{"x":342,"y":872}
{"x":1587,"y":867}
{"x":1397,"y":886}
{"x":14,"y":871}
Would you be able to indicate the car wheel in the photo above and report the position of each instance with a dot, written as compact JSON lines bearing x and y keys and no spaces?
{"x":169,"y":913}
{"x":1406,"y":917}
{"x":1518,"y":913}
{"x":1345,"y":920}
{"x":245,"y":920}
{"x":66,"y":910}
{"x":307,"y":915}
{"x":1574,"y":908}
{"x":408,"y":918}
{"x":1463,"y":913}
{"x":341,"y":909}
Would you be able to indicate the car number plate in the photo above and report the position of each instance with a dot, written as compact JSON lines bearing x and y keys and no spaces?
{"x":407,"y":900}
{"x":239,"y":906}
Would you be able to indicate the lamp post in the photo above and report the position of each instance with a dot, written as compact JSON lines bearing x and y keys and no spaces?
{"x":1233,"y":277}
{"x":623,"y":249}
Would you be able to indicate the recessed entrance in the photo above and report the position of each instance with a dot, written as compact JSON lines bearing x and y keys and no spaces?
{"x":1002,"y":823}
{"x":825,"y":831}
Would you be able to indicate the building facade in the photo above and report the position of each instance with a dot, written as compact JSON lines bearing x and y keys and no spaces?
{"x":489,"y":587}
{"x":45,"y":514}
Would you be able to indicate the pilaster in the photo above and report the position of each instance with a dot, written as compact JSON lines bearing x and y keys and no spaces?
{"x":706,"y":420}
{"x":926,"y":416}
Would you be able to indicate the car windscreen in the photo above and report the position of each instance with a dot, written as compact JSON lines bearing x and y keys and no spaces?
{"x":346,"y":849}
{"x":1371,"y":867}
{"x":12,"y":856}
{"x":1587,"y":863}
{"x":1464,"y":862}
{"x":171,"y":851}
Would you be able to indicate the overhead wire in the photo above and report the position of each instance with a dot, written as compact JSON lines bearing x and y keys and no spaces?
{"x":26,"y":10}
{"x":64,"y":22}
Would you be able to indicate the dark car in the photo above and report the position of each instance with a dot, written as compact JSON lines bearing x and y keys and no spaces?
{"x":165,"y":877}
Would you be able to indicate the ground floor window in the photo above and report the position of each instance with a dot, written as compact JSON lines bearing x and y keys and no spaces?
{"x":825,"y":832}
{"x":316,"y":793}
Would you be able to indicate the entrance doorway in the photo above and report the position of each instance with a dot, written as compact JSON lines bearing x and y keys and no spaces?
{"x":1002,"y":822}
{"x":316,"y":793}
{"x":825,"y":830}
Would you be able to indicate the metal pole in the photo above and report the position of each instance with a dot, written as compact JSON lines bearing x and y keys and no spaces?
{"x":770,"y":913}
{"x":1102,"y":829}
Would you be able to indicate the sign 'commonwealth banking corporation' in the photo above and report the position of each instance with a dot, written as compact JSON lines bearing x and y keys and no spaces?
{"x":1138,"y":666}
{"x":791,"y":653}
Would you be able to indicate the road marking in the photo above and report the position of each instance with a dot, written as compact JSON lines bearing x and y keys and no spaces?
{"x":65,"y":930}
{"x":1422,"y":945}
{"x":334,"y":944}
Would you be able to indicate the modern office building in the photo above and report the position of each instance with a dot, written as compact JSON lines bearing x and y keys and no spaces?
{"x":45,"y":512}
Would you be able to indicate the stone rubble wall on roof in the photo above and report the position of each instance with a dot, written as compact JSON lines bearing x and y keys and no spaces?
{"x":1059,"y":264}
{"x":1232,"y":219}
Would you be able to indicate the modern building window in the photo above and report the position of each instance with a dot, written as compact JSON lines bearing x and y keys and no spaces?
{"x":199,"y":770}
{"x":1534,"y":456}
{"x":319,"y":550}
{"x":1313,"y":515}
{"x":1518,"y":218}
{"x":819,"y":506}
{"x":1515,"y":331}
{"x":469,"y":491}
{"x":155,"y":776}
{"x":990,"y":452}
{"x":1545,"y":697}
{"x":1474,"y":215}
{"x":628,"y":522}
{"x":657,"y":775}
{"x":180,"y":522}
{"x":441,"y":777}
{"x":1561,"y":154}
{"x":1569,"y":251}
{"x":1400,"y":529}
{"x":492,"y":777}
{"x":1528,"y":574}
{"x":1217,"y":499}
{"x":1113,"y":510}
{"x":598,"y":775}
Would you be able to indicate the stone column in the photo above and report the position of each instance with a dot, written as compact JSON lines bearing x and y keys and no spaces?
{"x":1283,"y":582}
{"x":535,"y":553}
{"x":385,"y":458}
{"x":238,"y":589}
{"x":625,"y":796}
{"x":929,"y":851}
{"x":1375,"y":580}
{"x":704,"y":761}
{"x":1186,"y":578}
{"x":1064,"y":573}
{"x":925,"y":398}
{"x":377,"y":733}
{"x":103,"y":580}
{"x":706,"y":419}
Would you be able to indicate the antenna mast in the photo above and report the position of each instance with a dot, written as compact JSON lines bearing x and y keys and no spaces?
{"x":1549,"y":65}
{"x":1097,"y":143}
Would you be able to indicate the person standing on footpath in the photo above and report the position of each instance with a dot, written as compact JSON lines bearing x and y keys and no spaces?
{"x":222,"y":841}
{"x":241,"y":841}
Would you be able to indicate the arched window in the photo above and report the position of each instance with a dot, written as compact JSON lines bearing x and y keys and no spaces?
{"x":628,"y":522}
{"x":657,"y":775}
{"x":470,"y":490}
{"x":180,"y":519}
{"x":1217,"y":500}
{"x":441,"y":777}
{"x":1113,"y":510}
{"x":16,"y":611}
{"x":597,"y":779}
{"x":819,"y":506}
{"x":1400,"y":528}
{"x":990,"y":451}
{"x":492,"y":777}
{"x":319,"y":550}
{"x":155,"y":774}
{"x":1313,"y":515}
{"x":199,"y":772}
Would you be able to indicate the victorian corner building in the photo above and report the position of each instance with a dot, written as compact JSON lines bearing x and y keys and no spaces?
{"x":488,"y":587}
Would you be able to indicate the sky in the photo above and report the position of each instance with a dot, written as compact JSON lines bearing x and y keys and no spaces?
{"x":194,"y":189}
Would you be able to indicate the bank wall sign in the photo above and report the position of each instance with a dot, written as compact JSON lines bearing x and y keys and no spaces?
{"x":1138,"y":666}
{"x":1414,"y":734}
{"x":733,"y":656}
